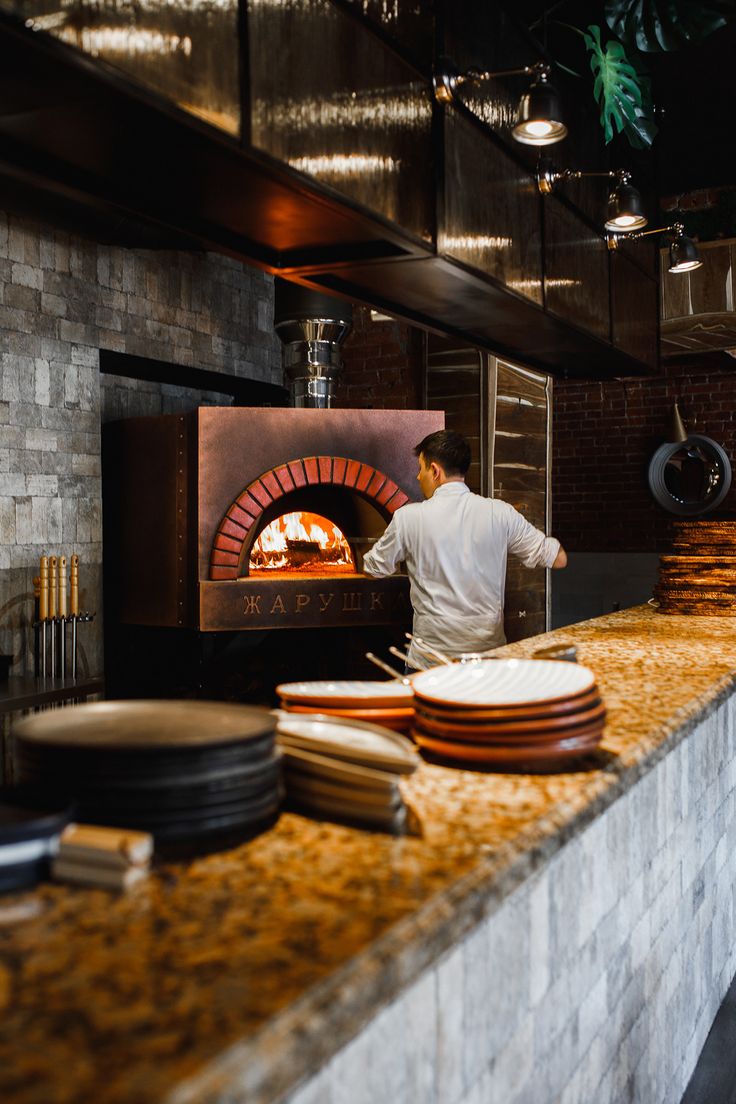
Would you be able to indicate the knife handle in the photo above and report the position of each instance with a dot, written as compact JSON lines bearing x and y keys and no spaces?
{"x":63,"y":609}
{"x":43,"y":594}
{"x":53,"y":586}
{"x":74,"y":587}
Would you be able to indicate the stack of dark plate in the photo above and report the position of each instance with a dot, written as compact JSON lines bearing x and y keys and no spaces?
{"x":184,"y":771}
{"x":700,"y":576}
{"x":508,"y":714}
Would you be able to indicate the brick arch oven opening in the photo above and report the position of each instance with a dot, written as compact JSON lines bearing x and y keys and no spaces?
{"x":312,"y":516}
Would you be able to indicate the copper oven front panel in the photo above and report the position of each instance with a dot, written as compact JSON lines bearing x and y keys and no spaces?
{"x":237,"y":445}
{"x":303,"y":604}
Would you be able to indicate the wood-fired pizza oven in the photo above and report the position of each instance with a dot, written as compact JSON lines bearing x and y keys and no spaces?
{"x":256,"y":518}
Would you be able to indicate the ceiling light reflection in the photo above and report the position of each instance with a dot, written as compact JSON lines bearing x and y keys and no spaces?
{"x":373,"y":110}
{"x":126,"y":41}
{"x":472,"y":242}
{"x":533,"y":285}
{"x":499,"y":113}
{"x":130,"y":9}
{"x":344,"y":165}
{"x":169,"y":7}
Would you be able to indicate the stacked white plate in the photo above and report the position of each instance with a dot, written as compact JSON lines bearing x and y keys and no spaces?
{"x":532,"y":714}
{"x":345,"y":769}
{"x":390,"y":704}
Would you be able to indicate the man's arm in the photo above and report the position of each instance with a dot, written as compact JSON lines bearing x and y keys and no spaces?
{"x":560,"y":558}
{"x":530,"y":544}
{"x":386,"y":554}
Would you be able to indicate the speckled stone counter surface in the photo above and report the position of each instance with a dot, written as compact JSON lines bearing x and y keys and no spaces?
{"x":233,"y":977}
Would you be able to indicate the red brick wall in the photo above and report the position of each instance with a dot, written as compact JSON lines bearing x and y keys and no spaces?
{"x":604,"y":435}
{"x":383,"y":365}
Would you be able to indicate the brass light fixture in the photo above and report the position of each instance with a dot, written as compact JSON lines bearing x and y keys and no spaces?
{"x":684,"y":255}
{"x":625,"y":210}
{"x":539,"y":118}
{"x":677,"y":431}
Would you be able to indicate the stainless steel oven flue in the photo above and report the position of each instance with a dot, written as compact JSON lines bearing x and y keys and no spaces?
{"x":312,"y":327}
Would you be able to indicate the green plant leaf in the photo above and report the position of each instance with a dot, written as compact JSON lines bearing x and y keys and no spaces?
{"x":659,"y":25}
{"x":623,"y":96}
{"x":642,"y":131}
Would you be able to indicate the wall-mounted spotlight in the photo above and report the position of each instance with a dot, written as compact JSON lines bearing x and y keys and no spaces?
{"x":539,"y":119}
{"x":684,"y":255}
{"x":625,"y":210}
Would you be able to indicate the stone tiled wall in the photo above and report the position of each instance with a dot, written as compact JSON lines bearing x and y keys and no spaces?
{"x":62,"y":299}
{"x":597,"y":980}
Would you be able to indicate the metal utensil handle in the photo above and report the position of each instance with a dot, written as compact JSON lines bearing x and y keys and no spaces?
{"x":403,"y":656}
{"x":385,"y":667}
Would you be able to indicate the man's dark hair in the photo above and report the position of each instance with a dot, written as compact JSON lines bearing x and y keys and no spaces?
{"x":448,"y":449}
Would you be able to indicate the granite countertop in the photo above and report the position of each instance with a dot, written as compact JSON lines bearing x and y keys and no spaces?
{"x":253,"y":966}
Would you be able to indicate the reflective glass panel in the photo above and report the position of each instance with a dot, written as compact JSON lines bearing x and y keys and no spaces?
{"x":186,"y":50}
{"x":492,"y":216}
{"x":408,"y":22}
{"x":332,"y":101}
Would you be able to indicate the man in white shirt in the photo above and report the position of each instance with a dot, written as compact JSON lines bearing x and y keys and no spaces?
{"x":455,"y":546}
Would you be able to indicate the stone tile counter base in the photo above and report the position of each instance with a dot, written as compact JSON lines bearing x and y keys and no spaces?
{"x":597,"y":980}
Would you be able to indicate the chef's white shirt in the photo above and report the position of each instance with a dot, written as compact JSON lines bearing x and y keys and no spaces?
{"x":455,"y":546}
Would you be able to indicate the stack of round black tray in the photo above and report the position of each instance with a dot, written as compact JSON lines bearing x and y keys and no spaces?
{"x":185,"y":771}
{"x":29,"y":831}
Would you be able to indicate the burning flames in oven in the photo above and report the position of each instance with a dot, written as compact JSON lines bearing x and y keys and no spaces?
{"x":301,"y":543}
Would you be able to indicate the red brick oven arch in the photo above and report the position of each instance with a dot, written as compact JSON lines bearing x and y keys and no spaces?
{"x":243,"y":516}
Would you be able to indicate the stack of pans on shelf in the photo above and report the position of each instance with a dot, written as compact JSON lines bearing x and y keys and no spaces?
{"x":508,"y":714}
{"x":345,"y":770}
{"x":390,"y":704}
{"x":700,"y":576}
{"x":187,"y":771}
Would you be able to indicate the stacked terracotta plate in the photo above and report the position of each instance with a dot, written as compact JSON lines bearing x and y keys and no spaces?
{"x":511,"y":714}
{"x":390,"y":704}
{"x":700,"y":576}
{"x":345,"y":769}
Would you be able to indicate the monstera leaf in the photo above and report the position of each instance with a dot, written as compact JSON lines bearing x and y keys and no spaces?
{"x":656,"y":25}
{"x":622,"y":95}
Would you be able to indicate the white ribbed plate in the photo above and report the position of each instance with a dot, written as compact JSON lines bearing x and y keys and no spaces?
{"x":495,"y":682}
{"x":353,"y":776}
{"x":347,"y":693}
{"x":355,"y":741}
